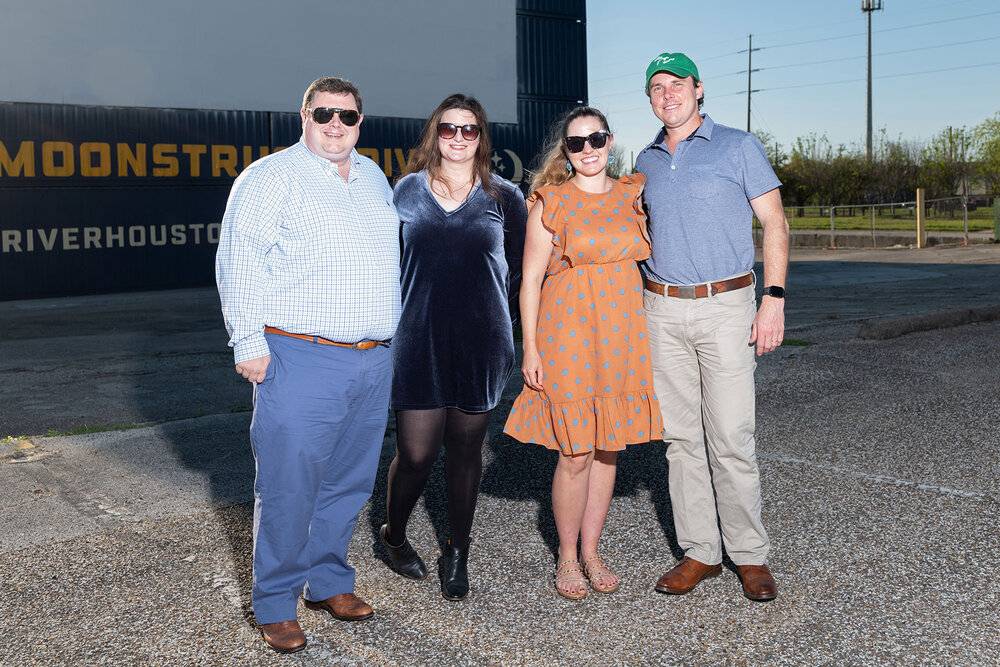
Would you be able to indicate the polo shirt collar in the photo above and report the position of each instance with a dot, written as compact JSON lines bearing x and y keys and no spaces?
{"x":704,"y":131}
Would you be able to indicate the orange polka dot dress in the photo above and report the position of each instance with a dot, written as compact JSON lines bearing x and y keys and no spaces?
{"x":597,"y":378}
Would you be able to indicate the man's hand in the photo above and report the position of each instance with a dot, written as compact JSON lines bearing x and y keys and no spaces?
{"x":254,"y":369}
{"x":769,"y":326}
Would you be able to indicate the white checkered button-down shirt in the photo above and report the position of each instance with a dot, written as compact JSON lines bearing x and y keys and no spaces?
{"x":305,"y":251}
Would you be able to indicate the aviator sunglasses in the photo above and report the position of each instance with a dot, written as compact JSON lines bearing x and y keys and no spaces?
{"x":597,"y":140}
{"x":470,"y":132}
{"x":324,"y":115}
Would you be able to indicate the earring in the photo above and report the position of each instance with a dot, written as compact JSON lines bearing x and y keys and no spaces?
{"x":611,"y":159}
{"x":569,"y":166}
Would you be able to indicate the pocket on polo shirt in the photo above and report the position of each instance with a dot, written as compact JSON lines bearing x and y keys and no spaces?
{"x":704,"y":182}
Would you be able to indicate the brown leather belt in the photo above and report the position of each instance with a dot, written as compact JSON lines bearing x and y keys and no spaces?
{"x":361,"y":345}
{"x":699,"y":291}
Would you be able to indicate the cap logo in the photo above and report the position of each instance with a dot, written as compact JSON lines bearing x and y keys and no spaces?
{"x":660,"y":60}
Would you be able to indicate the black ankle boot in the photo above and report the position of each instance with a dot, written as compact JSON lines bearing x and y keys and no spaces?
{"x":403,"y":559}
{"x":454,"y":573}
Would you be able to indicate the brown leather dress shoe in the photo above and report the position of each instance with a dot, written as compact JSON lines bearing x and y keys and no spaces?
{"x":344,"y":607}
{"x":758,"y":583}
{"x":284,"y":637}
{"x":683,"y":577}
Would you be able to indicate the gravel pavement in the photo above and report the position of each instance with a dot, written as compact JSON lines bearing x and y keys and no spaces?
{"x":879,"y":464}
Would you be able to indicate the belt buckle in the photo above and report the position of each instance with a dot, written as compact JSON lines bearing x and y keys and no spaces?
{"x":686,"y":291}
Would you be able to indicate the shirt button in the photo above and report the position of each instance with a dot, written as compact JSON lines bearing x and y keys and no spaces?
{"x":673,"y":166}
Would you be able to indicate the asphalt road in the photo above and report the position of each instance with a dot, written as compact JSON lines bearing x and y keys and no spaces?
{"x":879,"y":463}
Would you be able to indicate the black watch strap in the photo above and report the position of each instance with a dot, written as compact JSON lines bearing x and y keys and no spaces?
{"x":775,"y":291}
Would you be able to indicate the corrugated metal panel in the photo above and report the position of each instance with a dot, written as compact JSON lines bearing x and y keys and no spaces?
{"x":545,"y":69}
{"x":99,"y":199}
{"x":385,"y":140}
{"x":77,"y":240}
{"x":568,"y":8}
{"x":57,"y":145}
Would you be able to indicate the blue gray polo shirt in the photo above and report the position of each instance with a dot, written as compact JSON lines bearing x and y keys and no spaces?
{"x":698,"y":201}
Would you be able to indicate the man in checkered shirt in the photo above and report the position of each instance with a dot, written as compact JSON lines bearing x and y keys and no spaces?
{"x":308,"y":276}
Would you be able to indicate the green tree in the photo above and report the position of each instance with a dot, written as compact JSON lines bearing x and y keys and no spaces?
{"x":620,"y":166}
{"x":986,"y":142}
{"x":895,"y":170}
{"x":772,"y":149}
{"x":945,"y":164}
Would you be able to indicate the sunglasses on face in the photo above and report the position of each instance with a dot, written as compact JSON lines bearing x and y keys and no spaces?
{"x":470,"y":132}
{"x":596,"y":140}
{"x":324,"y":115}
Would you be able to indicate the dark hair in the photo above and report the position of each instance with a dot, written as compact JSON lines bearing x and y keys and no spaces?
{"x":331,"y":84}
{"x":427,"y":154}
{"x":552,"y":166}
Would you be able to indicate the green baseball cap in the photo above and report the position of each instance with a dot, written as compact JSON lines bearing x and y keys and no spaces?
{"x":675,"y":63}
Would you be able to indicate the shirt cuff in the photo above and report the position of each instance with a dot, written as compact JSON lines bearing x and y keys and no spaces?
{"x":251,"y":347}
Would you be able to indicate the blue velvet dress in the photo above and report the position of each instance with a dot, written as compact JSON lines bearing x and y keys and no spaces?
{"x":461,"y":271}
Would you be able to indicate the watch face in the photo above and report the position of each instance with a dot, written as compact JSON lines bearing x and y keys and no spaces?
{"x":775,"y":291}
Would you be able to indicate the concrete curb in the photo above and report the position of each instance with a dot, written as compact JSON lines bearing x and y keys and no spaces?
{"x":893,"y":328}
{"x":883,"y":239}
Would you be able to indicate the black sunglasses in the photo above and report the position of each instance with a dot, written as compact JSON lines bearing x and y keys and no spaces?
{"x":597,"y":140}
{"x":470,"y":132}
{"x":324,"y":115}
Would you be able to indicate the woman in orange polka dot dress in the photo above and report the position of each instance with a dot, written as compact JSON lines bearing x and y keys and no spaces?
{"x":588,"y":383}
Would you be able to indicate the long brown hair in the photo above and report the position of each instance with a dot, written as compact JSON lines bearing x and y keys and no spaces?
{"x":552,"y":167}
{"x":427,"y":155}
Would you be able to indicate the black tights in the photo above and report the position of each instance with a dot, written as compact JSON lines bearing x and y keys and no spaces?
{"x":419,"y":436}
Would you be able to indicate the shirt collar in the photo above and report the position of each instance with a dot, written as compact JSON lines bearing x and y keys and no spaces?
{"x":704,"y":131}
{"x":327,"y":165}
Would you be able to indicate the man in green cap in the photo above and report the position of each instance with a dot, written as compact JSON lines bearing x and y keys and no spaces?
{"x":704,"y":184}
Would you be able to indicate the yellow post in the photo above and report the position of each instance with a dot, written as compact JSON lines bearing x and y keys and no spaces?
{"x":921,"y":228}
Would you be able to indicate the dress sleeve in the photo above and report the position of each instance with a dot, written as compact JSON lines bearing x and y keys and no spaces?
{"x":550,"y":210}
{"x":635,"y":184}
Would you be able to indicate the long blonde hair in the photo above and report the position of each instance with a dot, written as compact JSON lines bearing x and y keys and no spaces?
{"x":552,"y":166}
{"x":427,"y":154}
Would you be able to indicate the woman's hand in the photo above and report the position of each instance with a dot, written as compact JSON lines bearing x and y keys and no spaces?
{"x":531,"y":369}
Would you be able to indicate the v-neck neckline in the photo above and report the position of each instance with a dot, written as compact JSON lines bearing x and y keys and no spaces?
{"x":446,"y":212}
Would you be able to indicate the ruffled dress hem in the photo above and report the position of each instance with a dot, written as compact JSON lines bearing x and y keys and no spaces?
{"x":577,"y":427}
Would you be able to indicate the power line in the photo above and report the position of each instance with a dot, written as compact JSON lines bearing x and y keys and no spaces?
{"x":632,"y":75}
{"x":827,"y":39}
{"x":957,"y":18}
{"x":885,"y":53}
{"x":935,"y":5}
{"x":902,"y":27}
{"x":834,"y":83}
{"x":824,"y":62}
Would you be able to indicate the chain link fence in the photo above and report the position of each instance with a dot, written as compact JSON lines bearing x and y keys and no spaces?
{"x":952,"y":218}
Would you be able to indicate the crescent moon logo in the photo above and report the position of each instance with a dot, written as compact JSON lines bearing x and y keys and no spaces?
{"x":518,"y":174}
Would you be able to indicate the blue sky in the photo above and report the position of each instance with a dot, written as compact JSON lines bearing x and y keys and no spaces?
{"x":934,"y":64}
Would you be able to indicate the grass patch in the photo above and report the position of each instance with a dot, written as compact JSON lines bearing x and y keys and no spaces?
{"x":901,"y":220}
{"x":87,"y":428}
{"x":795,"y":342}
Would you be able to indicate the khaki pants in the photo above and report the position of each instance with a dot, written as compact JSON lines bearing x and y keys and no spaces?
{"x":703,"y":370}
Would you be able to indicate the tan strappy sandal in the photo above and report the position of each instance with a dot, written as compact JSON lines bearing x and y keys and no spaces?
{"x":565,"y":573}
{"x":596,"y":574}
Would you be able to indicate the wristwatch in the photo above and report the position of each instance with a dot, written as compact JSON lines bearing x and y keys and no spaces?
{"x":775,"y":291}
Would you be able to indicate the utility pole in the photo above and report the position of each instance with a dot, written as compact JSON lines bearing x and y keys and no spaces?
{"x":869,"y":6}
{"x":750,"y":71}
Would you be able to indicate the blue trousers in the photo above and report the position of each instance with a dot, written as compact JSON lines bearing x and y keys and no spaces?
{"x":318,"y":423}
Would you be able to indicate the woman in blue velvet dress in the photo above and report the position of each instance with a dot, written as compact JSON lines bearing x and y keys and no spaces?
{"x":462,"y":239}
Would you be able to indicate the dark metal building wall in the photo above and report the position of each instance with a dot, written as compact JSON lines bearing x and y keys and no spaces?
{"x":107,"y":199}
